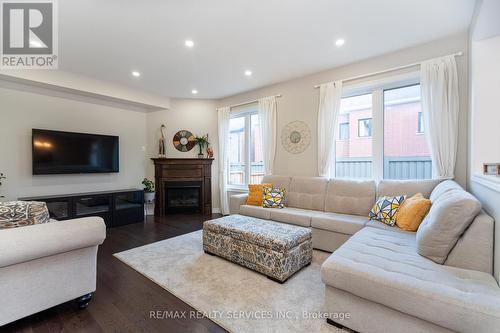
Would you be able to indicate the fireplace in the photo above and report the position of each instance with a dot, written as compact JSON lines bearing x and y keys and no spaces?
{"x":183,"y":185}
{"x":183,"y":197}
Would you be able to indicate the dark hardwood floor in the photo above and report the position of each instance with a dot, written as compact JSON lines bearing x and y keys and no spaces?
{"x":124,"y":298}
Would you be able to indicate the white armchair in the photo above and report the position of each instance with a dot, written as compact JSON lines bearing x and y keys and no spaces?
{"x":44,"y":265}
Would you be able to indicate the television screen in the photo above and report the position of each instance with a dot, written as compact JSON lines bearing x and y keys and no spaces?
{"x":56,"y":152}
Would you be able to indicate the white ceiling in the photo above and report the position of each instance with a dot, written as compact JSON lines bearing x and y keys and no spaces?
{"x":275,"y":39}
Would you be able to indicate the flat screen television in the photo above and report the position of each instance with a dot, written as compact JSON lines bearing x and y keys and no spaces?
{"x":56,"y":152}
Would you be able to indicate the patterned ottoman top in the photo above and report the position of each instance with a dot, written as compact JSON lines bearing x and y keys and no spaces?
{"x":268,"y":234}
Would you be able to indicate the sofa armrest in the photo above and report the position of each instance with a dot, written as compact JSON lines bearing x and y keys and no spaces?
{"x":235,"y":201}
{"x":43,"y":240}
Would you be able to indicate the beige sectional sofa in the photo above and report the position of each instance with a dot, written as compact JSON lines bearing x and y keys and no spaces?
{"x":376,"y":273}
{"x":47,"y":264}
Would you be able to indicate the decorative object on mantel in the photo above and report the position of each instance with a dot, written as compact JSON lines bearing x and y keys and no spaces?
{"x":491,"y":169}
{"x":161,"y":144}
{"x":184,"y":141}
{"x":210,"y":152}
{"x":149,"y":190}
{"x":2,"y":176}
{"x":296,"y":137}
{"x":202,"y":142}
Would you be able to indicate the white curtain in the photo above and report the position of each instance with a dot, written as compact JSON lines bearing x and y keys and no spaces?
{"x":439,"y":89}
{"x":267,"y":119}
{"x":330,"y":95}
{"x":223,"y":124}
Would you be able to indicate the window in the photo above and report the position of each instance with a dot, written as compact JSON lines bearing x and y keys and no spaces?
{"x":245,"y":146}
{"x":364,"y":127}
{"x":420,"y":120}
{"x":354,"y":154}
{"x":380,"y":132}
{"x":237,"y":156}
{"x":406,"y":153}
{"x":344,"y":131}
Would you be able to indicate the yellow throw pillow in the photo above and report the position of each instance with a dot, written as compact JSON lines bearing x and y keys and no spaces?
{"x":255,"y":193}
{"x":412,"y":212}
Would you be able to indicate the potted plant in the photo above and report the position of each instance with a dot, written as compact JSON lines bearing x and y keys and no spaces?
{"x":149,"y":190}
{"x":202,"y":142}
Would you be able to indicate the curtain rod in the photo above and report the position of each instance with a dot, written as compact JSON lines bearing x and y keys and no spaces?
{"x":387,"y":70}
{"x":250,"y":102}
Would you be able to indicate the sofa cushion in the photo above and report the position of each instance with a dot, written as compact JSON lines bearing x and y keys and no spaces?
{"x":342,"y":223}
{"x":444,"y":187}
{"x":406,"y":187}
{"x":292,"y":215}
{"x":450,"y":214}
{"x":307,"y":193}
{"x":255,"y":211}
{"x":354,"y":197}
{"x":474,"y":249}
{"x":384,"y":267}
{"x":383,"y":226}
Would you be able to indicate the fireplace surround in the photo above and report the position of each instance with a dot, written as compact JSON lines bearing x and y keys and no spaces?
{"x":183,"y":185}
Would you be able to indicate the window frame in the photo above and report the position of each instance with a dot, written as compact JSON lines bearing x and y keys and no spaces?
{"x":247,"y":114}
{"x":420,"y":123}
{"x":340,"y":131}
{"x":370,"y":127}
{"x":376,"y":88}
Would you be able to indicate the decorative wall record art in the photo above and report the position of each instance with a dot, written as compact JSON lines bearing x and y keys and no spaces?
{"x":183,"y":141}
{"x":296,"y":137}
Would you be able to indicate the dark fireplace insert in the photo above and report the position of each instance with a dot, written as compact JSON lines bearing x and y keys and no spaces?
{"x":183,"y":197}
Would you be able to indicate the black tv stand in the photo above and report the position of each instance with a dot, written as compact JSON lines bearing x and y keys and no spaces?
{"x":117,"y":207}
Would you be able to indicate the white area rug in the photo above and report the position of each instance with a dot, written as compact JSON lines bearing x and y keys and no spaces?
{"x":234,"y":297}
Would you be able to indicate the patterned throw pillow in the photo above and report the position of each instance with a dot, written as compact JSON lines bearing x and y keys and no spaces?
{"x":386,"y":209}
{"x":15,"y":214}
{"x":273,"y":197}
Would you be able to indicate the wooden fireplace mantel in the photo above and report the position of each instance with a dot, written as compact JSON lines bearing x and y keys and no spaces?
{"x":183,"y":170}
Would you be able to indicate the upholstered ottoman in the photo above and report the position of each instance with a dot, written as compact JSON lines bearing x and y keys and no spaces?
{"x":275,"y":249}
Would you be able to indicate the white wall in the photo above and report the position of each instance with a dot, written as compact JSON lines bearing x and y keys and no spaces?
{"x":20,"y":111}
{"x":299,"y":100}
{"x":197,"y":116}
{"x":485,"y":101}
{"x":484,"y":134}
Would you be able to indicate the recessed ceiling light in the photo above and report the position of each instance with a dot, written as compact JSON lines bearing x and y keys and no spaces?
{"x":248,"y":73}
{"x":194,"y":91}
{"x":340,"y":42}
{"x":136,"y":73}
{"x":189,"y":43}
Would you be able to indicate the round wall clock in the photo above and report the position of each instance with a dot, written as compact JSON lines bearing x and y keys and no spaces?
{"x":296,"y":137}
{"x":183,"y":141}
